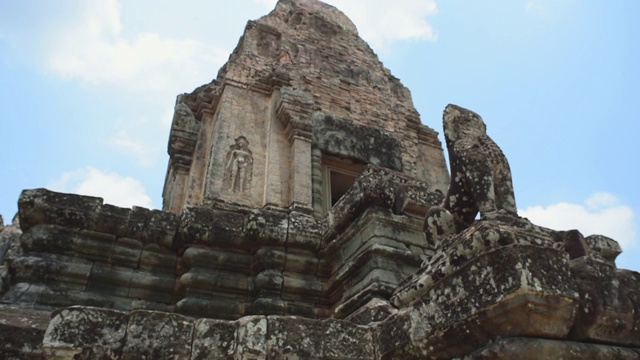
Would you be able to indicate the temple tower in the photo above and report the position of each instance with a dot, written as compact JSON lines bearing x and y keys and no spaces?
{"x":298,"y":111}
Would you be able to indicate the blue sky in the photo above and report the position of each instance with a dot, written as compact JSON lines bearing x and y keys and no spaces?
{"x":89,"y":88}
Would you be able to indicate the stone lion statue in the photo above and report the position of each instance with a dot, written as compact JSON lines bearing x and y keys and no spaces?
{"x":480,"y":177}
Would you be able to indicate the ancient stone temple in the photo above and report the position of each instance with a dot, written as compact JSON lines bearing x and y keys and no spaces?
{"x":309,"y":214}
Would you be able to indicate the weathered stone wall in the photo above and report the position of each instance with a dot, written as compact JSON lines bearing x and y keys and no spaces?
{"x":225,"y":261}
{"x":99,"y":333}
{"x":499,"y":290}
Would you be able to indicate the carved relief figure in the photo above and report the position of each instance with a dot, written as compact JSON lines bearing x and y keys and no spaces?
{"x":238,"y":166}
{"x":480,"y":177}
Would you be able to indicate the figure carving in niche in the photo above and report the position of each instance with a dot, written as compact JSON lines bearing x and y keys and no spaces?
{"x":239,"y":166}
{"x":480,"y":177}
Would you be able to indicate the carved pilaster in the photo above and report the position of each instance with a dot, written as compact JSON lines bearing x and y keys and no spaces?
{"x":316,"y":168}
{"x":182,"y":143}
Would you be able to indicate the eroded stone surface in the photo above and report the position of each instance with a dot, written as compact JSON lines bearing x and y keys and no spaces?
{"x":73,"y":329}
{"x":154,"y":335}
{"x":480,"y":176}
{"x":21,"y":331}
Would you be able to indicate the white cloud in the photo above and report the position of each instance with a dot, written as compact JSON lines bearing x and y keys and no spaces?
{"x":601,"y":214}
{"x":112,"y":187}
{"x":95,"y":50}
{"x":381,"y":22}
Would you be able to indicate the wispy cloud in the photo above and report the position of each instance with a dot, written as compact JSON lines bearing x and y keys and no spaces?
{"x":381,"y":22}
{"x":144,"y":154}
{"x":95,"y":50}
{"x":537,"y":6}
{"x":602,"y":213}
{"x":112,"y":187}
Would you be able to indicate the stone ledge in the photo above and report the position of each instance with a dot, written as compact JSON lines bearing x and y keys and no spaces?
{"x":85,"y":332}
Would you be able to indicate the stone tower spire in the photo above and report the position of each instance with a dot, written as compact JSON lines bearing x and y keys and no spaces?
{"x":300,"y":108}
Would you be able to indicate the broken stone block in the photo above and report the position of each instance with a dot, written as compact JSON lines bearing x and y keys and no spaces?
{"x":607,"y":247}
{"x":605,"y":313}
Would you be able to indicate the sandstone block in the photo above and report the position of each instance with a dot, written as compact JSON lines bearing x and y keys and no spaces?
{"x":251,"y":338}
{"x":374,"y":311}
{"x":22,"y":330}
{"x":269,"y":258}
{"x":214,"y":258}
{"x":302,"y":262}
{"x":41,"y":206}
{"x":199,"y":305}
{"x":304,"y":232}
{"x":86,"y":332}
{"x":112,"y":280}
{"x":127,"y":253}
{"x":345,"y":340}
{"x":153,"y":287}
{"x":294,"y":338}
{"x":156,"y":335}
{"x":155,"y":258}
{"x":113,"y":220}
{"x":200,"y":225}
{"x":214,"y":339}
{"x":55,"y":271}
{"x":267,"y":304}
{"x":268,"y":282}
{"x":607,"y":247}
{"x":213,"y":281}
{"x":152,"y":226}
{"x":605,"y":312}
{"x":267,"y":227}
